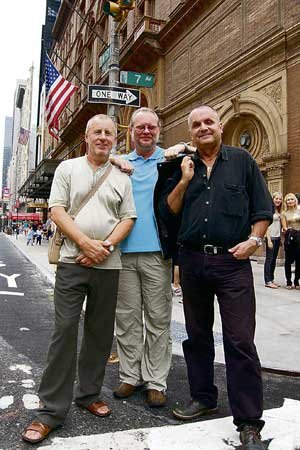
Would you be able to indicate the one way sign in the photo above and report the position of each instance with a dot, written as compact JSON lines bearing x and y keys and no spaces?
{"x":115,"y":95}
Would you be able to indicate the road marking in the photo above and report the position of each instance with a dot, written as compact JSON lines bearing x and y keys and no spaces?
{"x":6,"y":401}
{"x":20,"y":294}
{"x":217,"y":434}
{"x":22,"y":367}
{"x":30,"y":401}
{"x":11,"y":279}
{"x":28,"y":384}
{"x":24,"y":329}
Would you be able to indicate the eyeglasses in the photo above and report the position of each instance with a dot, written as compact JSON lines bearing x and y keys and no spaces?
{"x":141,"y":128}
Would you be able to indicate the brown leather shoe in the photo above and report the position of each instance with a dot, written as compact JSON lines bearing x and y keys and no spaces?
{"x":156,"y":398}
{"x":36,"y":432}
{"x":124,"y":390}
{"x":100,"y":409}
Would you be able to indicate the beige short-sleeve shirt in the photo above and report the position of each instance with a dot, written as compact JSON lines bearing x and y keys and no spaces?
{"x":112,"y":203}
{"x":292,"y":217}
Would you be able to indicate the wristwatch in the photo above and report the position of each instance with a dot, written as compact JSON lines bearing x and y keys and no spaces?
{"x":258,"y":240}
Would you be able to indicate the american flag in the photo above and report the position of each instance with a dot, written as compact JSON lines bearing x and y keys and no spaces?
{"x":23,"y":136}
{"x":58,"y":93}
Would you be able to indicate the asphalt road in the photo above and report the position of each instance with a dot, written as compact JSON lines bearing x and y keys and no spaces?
{"x":26,"y":322}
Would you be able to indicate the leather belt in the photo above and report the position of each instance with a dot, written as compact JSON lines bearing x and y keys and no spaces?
{"x":207,"y":249}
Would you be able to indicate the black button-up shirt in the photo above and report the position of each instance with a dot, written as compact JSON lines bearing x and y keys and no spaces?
{"x":220,"y":210}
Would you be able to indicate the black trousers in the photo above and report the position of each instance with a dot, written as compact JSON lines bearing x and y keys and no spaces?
{"x":231,"y":280}
{"x":270,"y":261}
{"x":292,"y":255}
{"x":72,"y":284}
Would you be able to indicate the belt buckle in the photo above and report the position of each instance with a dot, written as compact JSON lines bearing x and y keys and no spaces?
{"x":210,"y":249}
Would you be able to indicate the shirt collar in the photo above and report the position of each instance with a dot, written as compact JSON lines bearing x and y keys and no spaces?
{"x":133,"y":156}
{"x":222,"y":153}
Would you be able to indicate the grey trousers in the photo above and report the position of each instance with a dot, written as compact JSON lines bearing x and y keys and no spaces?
{"x":143,"y":319}
{"x":73,"y":283}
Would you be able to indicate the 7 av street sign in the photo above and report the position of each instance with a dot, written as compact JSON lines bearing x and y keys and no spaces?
{"x":137,"y":78}
{"x":115,"y":95}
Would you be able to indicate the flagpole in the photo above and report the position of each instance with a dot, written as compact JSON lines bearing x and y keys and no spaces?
{"x":72,"y":72}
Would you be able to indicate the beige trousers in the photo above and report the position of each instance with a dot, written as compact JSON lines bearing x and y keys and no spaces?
{"x":143,"y":319}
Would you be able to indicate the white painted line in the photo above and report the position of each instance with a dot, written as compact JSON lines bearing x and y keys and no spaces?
{"x":6,"y":401}
{"x":218,"y":434}
{"x":24,"y":329}
{"x":30,"y":401}
{"x":23,"y":367}
{"x":28,"y":384}
{"x":20,"y":294}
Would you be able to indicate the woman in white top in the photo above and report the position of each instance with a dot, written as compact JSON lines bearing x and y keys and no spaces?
{"x":290,"y":220}
{"x":273,"y":240}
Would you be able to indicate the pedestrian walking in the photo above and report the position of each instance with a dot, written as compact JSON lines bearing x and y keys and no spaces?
{"x":290,"y":219}
{"x":30,"y":236}
{"x":89,"y":267}
{"x":39,"y":234}
{"x":144,"y":305}
{"x":273,"y":241}
{"x":226,"y":209}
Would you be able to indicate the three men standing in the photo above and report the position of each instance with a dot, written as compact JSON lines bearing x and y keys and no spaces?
{"x":89,"y":266}
{"x":226,"y":209}
{"x":145,"y":280}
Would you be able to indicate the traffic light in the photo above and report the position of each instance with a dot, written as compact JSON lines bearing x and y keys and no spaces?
{"x":119,"y":9}
{"x":126,"y":4}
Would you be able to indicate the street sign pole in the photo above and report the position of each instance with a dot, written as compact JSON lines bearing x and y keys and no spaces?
{"x":114,"y":68}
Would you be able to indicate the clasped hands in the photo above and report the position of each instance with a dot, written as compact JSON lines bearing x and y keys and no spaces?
{"x":93,"y":252}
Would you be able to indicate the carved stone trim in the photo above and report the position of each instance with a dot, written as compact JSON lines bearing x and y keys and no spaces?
{"x":274,"y":92}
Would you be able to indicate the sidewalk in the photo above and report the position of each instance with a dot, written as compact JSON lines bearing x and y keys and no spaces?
{"x":278,"y":314}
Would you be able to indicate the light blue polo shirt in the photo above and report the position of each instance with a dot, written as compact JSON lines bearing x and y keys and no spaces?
{"x":144,"y":235}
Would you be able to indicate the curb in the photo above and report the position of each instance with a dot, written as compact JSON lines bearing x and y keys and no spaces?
{"x":45,"y":274}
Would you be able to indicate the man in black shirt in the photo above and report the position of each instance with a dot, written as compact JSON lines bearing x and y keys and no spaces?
{"x":225,"y":210}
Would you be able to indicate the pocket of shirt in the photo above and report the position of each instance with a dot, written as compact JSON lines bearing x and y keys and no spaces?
{"x":234,"y":200}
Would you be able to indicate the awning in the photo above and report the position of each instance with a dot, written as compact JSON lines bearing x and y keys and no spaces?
{"x":25,"y":216}
{"x":38,"y":184}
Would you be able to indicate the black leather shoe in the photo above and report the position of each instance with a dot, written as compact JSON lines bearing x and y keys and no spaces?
{"x":193,"y":410}
{"x":251,"y":439}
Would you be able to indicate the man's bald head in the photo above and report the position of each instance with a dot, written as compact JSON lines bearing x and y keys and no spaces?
{"x":199,"y":108}
{"x":97,"y":118}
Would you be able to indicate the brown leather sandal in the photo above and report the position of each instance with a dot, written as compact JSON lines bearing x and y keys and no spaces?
{"x":95,"y":408}
{"x":37,"y":427}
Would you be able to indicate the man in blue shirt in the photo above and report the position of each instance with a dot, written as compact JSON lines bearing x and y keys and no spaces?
{"x":145,"y":281}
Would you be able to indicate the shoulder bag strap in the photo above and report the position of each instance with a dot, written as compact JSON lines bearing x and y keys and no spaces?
{"x":93,"y":190}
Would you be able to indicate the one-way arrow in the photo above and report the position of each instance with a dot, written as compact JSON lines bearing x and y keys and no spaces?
{"x":115,"y":95}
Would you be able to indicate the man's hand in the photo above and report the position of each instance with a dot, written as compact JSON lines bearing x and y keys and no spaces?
{"x":87,"y":261}
{"x":123,"y":165}
{"x":187,"y":169}
{"x":175,"y":150}
{"x":95,"y":250}
{"x":244,"y":249}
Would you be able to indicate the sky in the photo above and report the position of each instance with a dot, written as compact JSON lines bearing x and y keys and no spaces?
{"x":20,"y":43}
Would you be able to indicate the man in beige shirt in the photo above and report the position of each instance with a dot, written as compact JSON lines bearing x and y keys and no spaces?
{"x":89,"y":267}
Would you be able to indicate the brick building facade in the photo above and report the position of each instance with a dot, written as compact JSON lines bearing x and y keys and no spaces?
{"x":240,"y":56}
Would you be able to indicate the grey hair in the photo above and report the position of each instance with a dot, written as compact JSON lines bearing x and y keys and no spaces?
{"x":200,"y":107}
{"x":144,"y":109}
{"x":100,"y":117}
